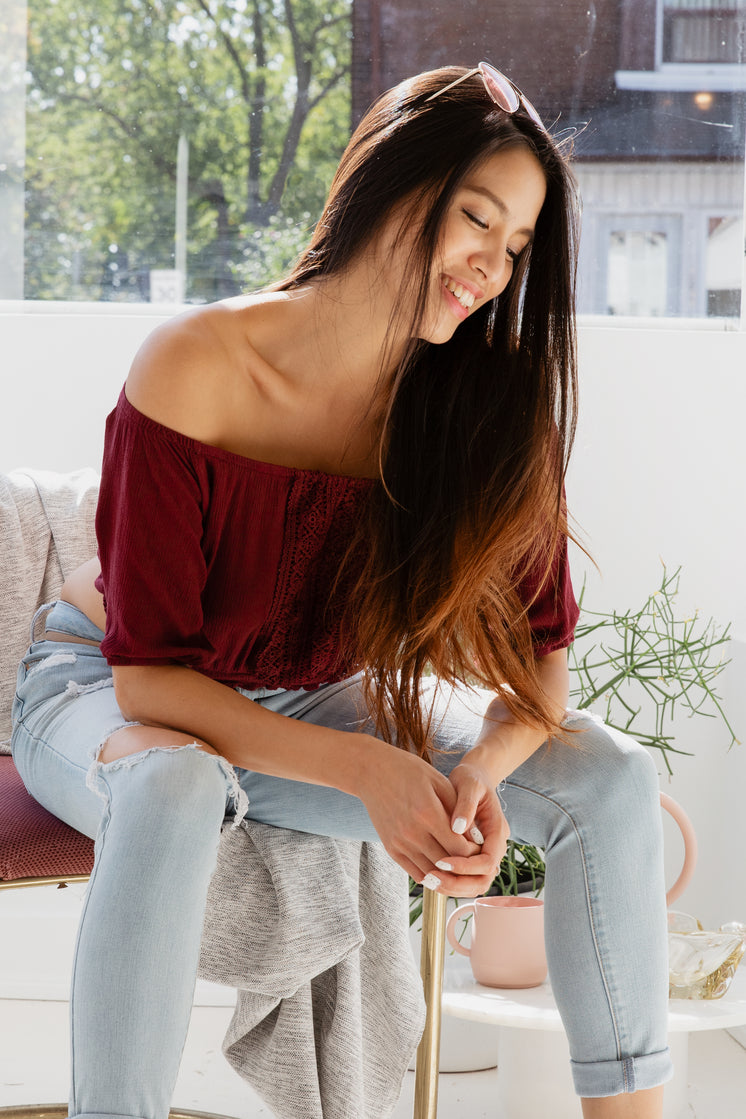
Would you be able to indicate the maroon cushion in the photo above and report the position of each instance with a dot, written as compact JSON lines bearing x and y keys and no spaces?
{"x":33,"y":842}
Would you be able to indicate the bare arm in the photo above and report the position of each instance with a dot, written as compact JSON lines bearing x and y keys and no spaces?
{"x":501,"y":748}
{"x":505,"y":744}
{"x":410,"y":804}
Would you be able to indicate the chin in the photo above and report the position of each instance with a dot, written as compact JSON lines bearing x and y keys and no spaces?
{"x":439,"y":333}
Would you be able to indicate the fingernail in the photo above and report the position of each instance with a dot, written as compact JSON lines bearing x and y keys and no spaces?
{"x":431,"y":881}
{"x":443,"y":865}
{"x":459,"y":825}
{"x":476,"y":835}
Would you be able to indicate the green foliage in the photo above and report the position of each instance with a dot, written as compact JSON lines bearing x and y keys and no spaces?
{"x":260,"y":89}
{"x":269,"y":250}
{"x":648,"y":664}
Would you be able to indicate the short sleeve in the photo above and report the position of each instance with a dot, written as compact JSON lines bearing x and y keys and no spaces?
{"x":149,"y":532}
{"x":553,"y":611}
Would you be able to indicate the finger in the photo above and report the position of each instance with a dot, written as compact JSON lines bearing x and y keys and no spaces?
{"x":463,"y":839}
{"x":417,"y":849}
{"x":465,"y":885}
{"x":476,"y":866}
{"x":470,"y":793}
{"x":415,"y":872}
{"x":462,"y":820}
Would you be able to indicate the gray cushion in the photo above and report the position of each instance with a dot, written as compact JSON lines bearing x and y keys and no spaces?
{"x":46,"y":531}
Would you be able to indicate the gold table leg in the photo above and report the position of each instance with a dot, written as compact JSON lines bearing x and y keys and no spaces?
{"x":431,"y":967}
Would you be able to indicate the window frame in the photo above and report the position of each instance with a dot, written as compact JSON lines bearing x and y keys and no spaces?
{"x":717,"y":77}
{"x":662,"y":64}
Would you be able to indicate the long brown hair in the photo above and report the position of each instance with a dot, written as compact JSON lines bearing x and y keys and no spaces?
{"x":477,"y":431}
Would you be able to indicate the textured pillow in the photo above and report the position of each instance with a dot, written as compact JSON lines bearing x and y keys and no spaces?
{"x":46,"y":531}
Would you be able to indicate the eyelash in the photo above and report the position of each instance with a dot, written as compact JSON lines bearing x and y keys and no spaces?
{"x":477,"y":221}
{"x":483,"y":225}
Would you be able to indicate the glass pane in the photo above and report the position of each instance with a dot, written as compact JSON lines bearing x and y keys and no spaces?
{"x":178,"y":147}
{"x":723,"y":266}
{"x":700,"y":36}
{"x":637,"y":273}
{"x":654,"y":92}
{"x":12,"y":145}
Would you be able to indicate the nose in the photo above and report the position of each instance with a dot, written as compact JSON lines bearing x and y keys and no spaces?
{"x":493,"y":265}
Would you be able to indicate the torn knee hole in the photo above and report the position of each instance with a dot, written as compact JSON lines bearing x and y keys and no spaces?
{"x":134,"y":738}
{"x":129,"y":752}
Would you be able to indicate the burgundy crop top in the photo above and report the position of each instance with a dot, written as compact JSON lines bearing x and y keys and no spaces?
{"x":226,"y":564}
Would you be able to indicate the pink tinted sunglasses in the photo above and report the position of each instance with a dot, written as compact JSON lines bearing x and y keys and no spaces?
{"x":503,"y":92}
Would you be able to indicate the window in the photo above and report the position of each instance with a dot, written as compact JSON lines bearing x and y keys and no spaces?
{"x":161,"y":147}
{"x":157,"y":149}
{"x":661,"y":238}
{"x":702,"y":31}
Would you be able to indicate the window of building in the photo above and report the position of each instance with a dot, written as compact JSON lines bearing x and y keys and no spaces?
{"x":701,"y":31}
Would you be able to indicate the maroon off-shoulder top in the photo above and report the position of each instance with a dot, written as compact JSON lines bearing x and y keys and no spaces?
{"x":228,"y":565}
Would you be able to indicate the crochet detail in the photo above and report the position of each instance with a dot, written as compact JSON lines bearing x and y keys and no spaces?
{"x":302,"y":630}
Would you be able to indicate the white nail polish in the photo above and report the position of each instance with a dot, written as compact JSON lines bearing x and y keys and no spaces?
{"x":476,"y":835}
{"x":443,"y":865}
{"x":431,"y":881}
{"x":459,"y":825}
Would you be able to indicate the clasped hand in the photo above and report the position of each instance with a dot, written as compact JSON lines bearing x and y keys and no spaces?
{"x":448,"y":833}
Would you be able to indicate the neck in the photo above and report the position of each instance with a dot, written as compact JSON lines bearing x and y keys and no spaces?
{"x":334,"y":334}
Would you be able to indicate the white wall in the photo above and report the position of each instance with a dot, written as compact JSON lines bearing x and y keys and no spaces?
{"x":659,"y":472}
{"x":61,"y":369}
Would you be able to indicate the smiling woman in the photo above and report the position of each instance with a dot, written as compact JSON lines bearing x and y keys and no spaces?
{"x":489,"y":224}
{"x":327,"y":511}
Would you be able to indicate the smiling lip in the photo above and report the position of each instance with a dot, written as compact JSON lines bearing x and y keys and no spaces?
{"x":465,"y":295}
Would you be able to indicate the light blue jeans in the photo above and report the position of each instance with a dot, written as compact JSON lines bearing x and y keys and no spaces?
{"x":156,"y":818}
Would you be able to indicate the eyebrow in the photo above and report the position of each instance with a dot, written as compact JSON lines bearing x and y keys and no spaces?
{"x":498,"y":203}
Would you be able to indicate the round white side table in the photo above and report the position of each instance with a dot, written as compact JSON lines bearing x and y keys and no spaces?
{"x":534,"y":1076}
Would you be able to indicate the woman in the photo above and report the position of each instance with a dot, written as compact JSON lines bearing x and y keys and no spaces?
{"x":309,"y":495}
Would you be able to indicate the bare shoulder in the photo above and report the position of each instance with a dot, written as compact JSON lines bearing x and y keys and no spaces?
{"x":183,"y":371}
{"x":196,"y":370}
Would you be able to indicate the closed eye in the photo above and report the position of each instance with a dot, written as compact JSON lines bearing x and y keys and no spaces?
{"x":475,"y":220}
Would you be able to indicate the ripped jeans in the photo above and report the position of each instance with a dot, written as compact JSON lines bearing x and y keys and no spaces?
{"x":156,"y":818}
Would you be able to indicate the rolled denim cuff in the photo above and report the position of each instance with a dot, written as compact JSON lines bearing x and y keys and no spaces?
{"x":612,"y":1078}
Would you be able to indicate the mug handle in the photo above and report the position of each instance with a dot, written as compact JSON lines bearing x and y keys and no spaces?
{"x":690,"y":847}
{"x":453,"y":940}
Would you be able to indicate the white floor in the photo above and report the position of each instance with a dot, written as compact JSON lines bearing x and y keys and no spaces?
{"x":39,"y":925}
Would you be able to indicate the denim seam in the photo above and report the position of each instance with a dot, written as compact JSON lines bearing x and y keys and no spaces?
{"x":100,"y":841}
{"x":315,"y":700}
{"x":601,"y":968}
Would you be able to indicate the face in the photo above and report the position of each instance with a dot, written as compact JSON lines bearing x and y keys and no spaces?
{"x":489,"y":224}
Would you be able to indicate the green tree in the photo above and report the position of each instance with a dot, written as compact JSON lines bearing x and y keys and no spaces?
{"x":259,"y":88}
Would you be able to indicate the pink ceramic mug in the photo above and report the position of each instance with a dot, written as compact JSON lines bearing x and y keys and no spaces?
{"x":507,"y":940}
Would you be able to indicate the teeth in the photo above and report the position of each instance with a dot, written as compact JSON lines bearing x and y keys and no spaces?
{"x":465,"y":298}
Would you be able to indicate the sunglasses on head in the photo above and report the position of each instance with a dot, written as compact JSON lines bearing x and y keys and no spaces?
{"x":503,"y":92}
